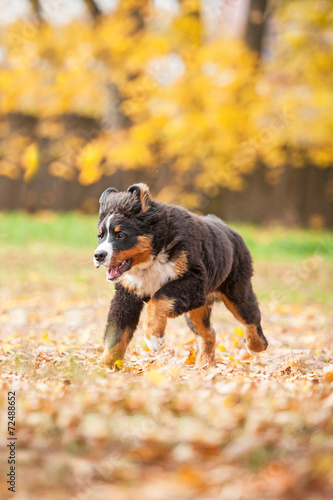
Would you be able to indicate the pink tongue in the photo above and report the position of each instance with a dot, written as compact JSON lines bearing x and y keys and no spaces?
{"x":112,"y":273}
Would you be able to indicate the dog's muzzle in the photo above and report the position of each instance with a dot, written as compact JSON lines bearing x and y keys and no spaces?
{"x":99,"y":257}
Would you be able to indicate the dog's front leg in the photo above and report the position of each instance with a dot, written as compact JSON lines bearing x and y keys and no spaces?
{"x":174,"y":298}
{"x":122,"y":321}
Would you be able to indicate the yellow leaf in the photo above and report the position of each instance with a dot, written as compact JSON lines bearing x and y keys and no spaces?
{"x":119,"y":365}
{"x":191,"y":358}
{"x":89,"y":164}
{"x":30,"y":162}
{"x":324,"y":463}
{"x":45,"y":339}
{"x":156,"y":377}
{"x":328,"y":373}
{"x":239,"y":331}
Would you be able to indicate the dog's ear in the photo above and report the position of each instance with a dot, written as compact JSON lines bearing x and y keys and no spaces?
{"x":142,"y":192}
{"x":104,"y":195}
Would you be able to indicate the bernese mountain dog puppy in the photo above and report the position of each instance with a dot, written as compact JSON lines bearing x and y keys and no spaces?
{"x":176,"y":262}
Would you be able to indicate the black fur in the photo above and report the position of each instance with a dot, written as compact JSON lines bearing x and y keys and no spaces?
{"x":124,"y":313}
{"x":218,"y":262}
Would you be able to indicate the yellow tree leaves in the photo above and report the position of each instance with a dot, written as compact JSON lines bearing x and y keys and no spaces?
{"x":300,"y":76}
{"x":89,"y":164}
{"x":165,"y":93}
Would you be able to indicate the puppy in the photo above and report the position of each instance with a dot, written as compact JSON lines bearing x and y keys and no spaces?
{"x":177,"y":263}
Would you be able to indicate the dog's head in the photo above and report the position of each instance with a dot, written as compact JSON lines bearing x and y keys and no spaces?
{"x":124,"y":239}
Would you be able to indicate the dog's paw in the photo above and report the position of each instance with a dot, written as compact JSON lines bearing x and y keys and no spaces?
{"x":205,"y":361}
{"x":258,"y":347}
{"x":155,"y":343}
{"x":253,"y":353}
{"x":109,"y":358}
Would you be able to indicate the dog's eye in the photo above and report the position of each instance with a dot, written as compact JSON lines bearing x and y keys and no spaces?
{"x":120,"y":235}
{"x":100,"y":236}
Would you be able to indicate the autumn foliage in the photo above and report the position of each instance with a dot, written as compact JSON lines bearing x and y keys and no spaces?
{"x":165,"y":91}
{"x":155,"y":427}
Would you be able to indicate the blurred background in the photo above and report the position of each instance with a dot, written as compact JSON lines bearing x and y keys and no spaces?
{"x":222,"y":106}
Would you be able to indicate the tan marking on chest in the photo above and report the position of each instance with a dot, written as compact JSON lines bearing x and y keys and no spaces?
{"x":181,"y":263}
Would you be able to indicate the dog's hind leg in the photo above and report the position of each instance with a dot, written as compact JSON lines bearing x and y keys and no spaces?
{"x":199,"y":322}
{"x":123,"y":319}
{"x":242,"y":302}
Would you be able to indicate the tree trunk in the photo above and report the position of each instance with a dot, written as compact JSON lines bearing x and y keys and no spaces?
{"x":256,"y":23}
{"x":93,"y":8}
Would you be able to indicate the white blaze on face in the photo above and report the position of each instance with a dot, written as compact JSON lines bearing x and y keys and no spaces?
{"x":105,"y":246}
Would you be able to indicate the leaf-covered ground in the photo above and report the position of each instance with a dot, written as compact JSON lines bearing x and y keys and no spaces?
{"x":158,"y":429}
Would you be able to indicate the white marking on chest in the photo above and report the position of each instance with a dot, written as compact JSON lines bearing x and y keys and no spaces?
{"x":147,"y":278}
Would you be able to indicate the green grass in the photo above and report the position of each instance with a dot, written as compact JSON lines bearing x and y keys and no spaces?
{"x":282,"y":243}
{"x":70,"y":229}
{"x":291,"y":265}
{"x":74,"y":229}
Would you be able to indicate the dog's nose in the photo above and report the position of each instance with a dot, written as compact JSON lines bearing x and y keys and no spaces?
{"x":100,"y":256}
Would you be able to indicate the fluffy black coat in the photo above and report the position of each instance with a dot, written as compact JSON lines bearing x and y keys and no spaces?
{"x":179,"y":263}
